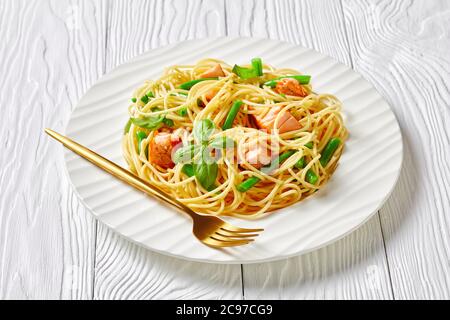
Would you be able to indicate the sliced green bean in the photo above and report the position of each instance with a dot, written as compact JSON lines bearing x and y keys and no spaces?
{"x":311,"y":177}
{"x":329,"y":150}
{"x":232,"y":115}
{"x":247,"y":73}
{"x":257,"y":66}
{"x":144,"y":99}
{"x":300,"y":164}
{"x":247,"y":184}
{"x":285,"y":155}
{"x":189,"y":84}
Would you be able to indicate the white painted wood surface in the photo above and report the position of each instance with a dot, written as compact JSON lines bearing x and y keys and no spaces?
{"x":49,"y":57}
{"x":403,"y":47}
{"x":50,"y":246}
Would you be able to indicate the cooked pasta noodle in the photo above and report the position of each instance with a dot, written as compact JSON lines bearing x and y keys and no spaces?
{"x":302,"y":128}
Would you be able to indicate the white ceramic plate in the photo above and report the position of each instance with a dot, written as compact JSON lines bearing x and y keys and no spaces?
{"x":368,"y":170}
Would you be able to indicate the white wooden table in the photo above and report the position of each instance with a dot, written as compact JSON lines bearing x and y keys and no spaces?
{"x":53,"y":51}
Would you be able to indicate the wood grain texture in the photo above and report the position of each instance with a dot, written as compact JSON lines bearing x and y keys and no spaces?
{"x":52,"y":52}
{"x":125,"y":270}
{"x":57,"y":49}
{"x":355,"y":267}
{"x":352,"y":268}
{"x":402,"y":48}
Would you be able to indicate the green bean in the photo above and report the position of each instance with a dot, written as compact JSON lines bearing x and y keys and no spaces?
{"x":311,"y":177}
{"x":285,"y":155}
{"x":329,"y":150}
{"x":144,"y":99}
{"x":247,"y":184}
{"x":300,"y":164}
{"x":133,"y":99}
{"x":247,"y":73}
{"x":188,"y":85}
{"x":257,"y":66}
{"x":232,"y":115}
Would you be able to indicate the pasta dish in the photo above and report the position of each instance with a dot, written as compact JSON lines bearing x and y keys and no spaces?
{"x":240,"y":140}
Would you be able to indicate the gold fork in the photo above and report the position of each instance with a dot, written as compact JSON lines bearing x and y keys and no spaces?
{"x":210,"y":230}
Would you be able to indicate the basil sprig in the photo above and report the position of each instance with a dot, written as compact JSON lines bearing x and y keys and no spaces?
{"x":204,"y":166}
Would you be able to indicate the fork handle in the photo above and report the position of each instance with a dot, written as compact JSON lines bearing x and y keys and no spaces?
{"x":118,"y":172}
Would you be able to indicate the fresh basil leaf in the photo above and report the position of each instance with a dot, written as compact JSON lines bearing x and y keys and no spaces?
{"x":206,"y":174}
{"x":185,"y":154}
{"x":222,"y":143}
{"x":203,"y":130}
{"x":188,"y":169}
{"x":150,"y":123}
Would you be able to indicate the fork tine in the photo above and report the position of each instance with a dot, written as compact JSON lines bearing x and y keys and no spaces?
{"x":236,"y":235}
{"x":231,"y":228}
{"x":227,"y":239}
{"x":216,"y":243}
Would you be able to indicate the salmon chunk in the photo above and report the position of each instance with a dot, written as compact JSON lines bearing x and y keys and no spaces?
{"x":215,"y":71}
{"x":286,"y":123}
{"x":161,"y":147}
{"x":258,"y":154}
{"x":290,"y":87}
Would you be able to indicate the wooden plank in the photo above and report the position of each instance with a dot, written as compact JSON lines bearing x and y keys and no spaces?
{"x":402,"y":48}
{"x":125,"y":270}
{"x":355,"y":267}
{"x":51,"y":53}
{"x":352,"y":268}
